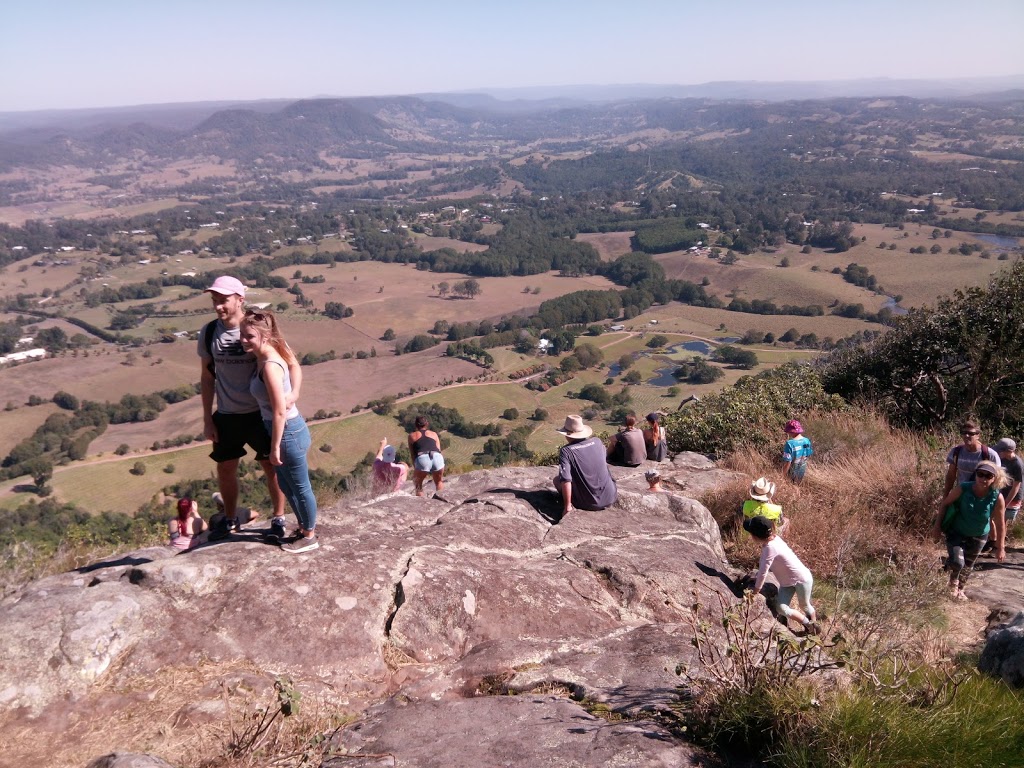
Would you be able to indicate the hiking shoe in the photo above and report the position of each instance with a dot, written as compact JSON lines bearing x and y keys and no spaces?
{"x":222,"y":529}
{"x":276,"y":531}
{"x":813,"y":628}
{"x":301,"y":544}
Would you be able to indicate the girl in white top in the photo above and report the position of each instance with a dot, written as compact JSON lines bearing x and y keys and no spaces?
{"x":794,"y":577}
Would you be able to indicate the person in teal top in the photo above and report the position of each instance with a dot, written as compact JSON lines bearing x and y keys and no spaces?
{"x":978,"y":508}
{"x":795,"y":452}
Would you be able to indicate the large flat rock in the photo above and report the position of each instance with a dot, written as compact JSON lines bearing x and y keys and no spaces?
{"x":411,"y":610}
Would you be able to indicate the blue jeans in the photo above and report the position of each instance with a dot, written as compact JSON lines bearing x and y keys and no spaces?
{"x":293,"y":474}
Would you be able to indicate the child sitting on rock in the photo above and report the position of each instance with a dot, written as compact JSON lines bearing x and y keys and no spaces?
{"x":794,"y":577}
{"x":185,"y":529}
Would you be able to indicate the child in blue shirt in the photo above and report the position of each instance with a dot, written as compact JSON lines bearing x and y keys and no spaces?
{"x":795,"y":452}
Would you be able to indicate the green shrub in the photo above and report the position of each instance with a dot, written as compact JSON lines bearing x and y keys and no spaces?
{"x":753,"y":411}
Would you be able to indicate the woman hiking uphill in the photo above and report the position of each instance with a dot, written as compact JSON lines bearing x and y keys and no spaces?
{"x":289,"y":435}
{"x":968,"y":514}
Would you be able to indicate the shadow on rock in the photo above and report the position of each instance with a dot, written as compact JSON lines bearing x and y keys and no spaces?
{"x":547,"y":503}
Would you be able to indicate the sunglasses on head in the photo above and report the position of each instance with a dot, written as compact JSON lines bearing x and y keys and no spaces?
{"x":256,"y":314}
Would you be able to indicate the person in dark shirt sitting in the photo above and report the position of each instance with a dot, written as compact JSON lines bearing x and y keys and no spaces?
{"x":627,"y":447}
{"x":583,"y":480}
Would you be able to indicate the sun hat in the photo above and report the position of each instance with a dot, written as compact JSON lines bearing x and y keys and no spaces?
{"x":986,"y":466}
{"x":794,"y":426}
{"x":759,"y":526}
{"x":184,"y":506}
{"x":388,"y":454}
{"x":762,"y":489}
{"x":654,"y":417}
{"x":226,"y":286}
{"x":575,"y":428}
{"x":1005,"y":444}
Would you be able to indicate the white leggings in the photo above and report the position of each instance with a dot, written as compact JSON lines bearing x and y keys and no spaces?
{"x":803,"y":593}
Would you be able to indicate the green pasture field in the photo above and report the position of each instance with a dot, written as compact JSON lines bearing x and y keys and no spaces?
{"x":108,"y":485}
{"x":707,"y":323}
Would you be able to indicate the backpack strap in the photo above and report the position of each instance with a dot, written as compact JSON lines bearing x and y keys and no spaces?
{"x":208,"y":331}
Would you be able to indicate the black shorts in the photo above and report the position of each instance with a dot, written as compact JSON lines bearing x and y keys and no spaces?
{"x":236,"y":430}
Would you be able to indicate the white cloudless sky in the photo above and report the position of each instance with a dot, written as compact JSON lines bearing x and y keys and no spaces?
{"x":59,"y":54}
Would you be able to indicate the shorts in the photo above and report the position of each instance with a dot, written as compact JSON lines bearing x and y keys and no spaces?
{"x":1011,"y":513}
{"x":236,"y":430}
{"x":429,"y":462}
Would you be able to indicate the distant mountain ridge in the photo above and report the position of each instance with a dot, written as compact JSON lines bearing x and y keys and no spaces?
{"x":303,"y":130}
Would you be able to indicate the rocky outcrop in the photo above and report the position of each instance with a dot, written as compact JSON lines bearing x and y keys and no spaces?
{"x":411,"y":613}
{"x":1003,"y":655}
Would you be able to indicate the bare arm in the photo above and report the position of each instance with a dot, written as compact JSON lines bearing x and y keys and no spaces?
{"x":207,"y":385}
{"x":380,"y":450}
{"x":295,"y":373}
{"x":273,"y":378}
{"x":999,"y":523}
{"x":566,"y":491}
{"x":950,"y":479}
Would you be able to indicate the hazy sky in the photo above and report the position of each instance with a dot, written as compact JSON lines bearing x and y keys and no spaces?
{"x":91,"y":53}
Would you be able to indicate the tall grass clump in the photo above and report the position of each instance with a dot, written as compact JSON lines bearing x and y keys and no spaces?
{"x":979,"y":725}
{"x":869,"y":494}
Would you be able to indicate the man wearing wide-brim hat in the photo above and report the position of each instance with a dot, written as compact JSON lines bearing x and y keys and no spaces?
{"x":583,"y":480}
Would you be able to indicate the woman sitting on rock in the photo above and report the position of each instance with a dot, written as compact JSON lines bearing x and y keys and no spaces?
{"x":425,"y":448}
{"x":388,"y":474}
{"x":185,"y":529}
{"x":654,"y":438}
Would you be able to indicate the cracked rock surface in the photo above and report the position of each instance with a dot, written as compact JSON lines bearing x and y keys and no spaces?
{"x":413,"y":613}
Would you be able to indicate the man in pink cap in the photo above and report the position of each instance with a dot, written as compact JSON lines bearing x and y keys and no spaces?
{"x":226,"y":371}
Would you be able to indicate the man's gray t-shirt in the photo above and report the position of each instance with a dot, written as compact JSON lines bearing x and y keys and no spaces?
{"x":233,"y":367}
{"x":967,"y":461}
{"x":584,"y":465}
{"x":1015,"y":470}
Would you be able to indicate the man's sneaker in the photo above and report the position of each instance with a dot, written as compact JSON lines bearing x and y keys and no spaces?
{"x":277,"y":532}
{"x":222,"y":529}
{"x":301,"y":544}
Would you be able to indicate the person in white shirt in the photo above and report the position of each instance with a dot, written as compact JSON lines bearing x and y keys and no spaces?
{"x":794,"y":577}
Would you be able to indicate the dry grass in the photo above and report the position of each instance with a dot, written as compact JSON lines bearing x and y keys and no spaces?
{"x":160,"y":715}
{"x":869,"y":494}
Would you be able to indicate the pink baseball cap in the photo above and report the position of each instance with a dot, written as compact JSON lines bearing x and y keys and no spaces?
{"x":226,"y":286}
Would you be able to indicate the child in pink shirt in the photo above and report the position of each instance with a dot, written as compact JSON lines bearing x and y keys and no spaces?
{"x":794,"y":577}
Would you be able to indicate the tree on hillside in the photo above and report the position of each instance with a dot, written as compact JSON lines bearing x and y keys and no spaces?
{"x":469,"y":288}
{"x":965,"y":355}
{"x":442,"y":289}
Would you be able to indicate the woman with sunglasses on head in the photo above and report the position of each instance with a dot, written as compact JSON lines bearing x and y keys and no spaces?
{"x":289,"y":435}
{"x":968,"y":514}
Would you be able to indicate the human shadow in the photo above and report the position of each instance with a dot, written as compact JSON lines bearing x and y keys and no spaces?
{"x":736,"y":586}
{"x":121,"y":562}
{"x":547,"y":503}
